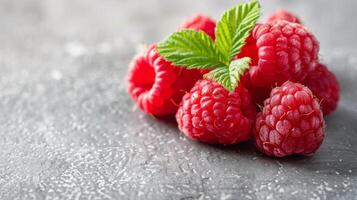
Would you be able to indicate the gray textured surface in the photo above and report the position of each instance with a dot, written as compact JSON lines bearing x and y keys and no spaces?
{"x":68,"y":129}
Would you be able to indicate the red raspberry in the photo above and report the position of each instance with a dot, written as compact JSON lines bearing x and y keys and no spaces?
{"x":211,"y":114}
{"x":200,"y":22}
{"x":291,"y":122}
{"x":258,"y":94}
{"x":283,"y":15}
{"x":250,"y":50}
{"x":156,"y":85}
{"x":324,"y":85}
{"x":280,"y":51}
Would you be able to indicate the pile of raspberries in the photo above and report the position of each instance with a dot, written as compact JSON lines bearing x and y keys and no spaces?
{"x":279,"y":103}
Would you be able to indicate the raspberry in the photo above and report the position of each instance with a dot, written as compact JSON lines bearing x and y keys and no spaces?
{"x":291,"y":122}
{"x":280,"y":51}
{"x":156,"y":85}
{"x":250,"y":50}
{"x":283,"y":15}
{"x":325,"y":87}
{"x":211,"y":114}
{"x":258,"y":94}
{"x":200,"y":22}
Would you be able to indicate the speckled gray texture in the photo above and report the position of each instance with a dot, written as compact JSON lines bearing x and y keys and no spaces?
{"x":68,"y":130}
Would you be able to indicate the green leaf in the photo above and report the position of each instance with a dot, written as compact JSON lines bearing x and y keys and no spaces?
{"x":196,"y":50}
{"x":234,"y":27}
{"x":237,"y":69}
{"x":192,"y":49}
{"x":221,"y":76}
{"x":229,"y":77}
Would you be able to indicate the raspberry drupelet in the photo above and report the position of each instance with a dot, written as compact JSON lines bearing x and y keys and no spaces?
{"x":211,"y":114}
{"x":156,"y":85}
{"x":258,"y":94}
{"x":291,"y":122}
{"x":283,"y":15}
{"x":325,"y":87}
{"x":280,"y":51}
{"x":200,"y":22}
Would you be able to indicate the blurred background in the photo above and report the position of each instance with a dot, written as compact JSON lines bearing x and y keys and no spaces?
{"x":68,"y":129}
{"x":125,"y":21}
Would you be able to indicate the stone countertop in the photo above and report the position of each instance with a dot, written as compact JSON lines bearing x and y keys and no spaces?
{"x":68,"y":129}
